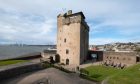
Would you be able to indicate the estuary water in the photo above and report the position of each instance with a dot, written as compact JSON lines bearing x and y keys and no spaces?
{"x":8,"y":51}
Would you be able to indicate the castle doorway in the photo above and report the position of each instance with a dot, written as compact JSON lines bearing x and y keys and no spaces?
{"x":51,"y":59}
{"x":138,"y":59}
{"x":67,"y":61}
{"x":57,"y":58}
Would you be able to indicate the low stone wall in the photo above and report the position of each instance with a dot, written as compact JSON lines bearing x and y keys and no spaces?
{"x":48,"y":53}
{"x":30,"y":56}
{"x":9,"y":72}
{"x":127,"y":58}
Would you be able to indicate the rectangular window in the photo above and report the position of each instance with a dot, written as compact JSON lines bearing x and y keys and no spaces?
{"x":114,"y":57}
{"x":129,"y":58}
{"x":65,"y":40}
{"x":67,"y":51}
{"x":123,"y":58}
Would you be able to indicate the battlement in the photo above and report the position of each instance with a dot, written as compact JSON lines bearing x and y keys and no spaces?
{"x":70,"y":18}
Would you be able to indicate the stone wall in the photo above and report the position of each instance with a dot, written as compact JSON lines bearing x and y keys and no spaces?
{"x":72,"y":38}
{"x":9,"y":72}
{"x":124,"y":58}
{"x":69,"y":20}
{"x":26,"y":57}
{"x":47,"y":53}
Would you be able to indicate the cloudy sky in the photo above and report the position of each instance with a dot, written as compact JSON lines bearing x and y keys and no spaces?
{"x":34,"y":21}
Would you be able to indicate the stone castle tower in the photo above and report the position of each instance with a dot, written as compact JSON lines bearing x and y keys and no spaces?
{"x":72,"y":38}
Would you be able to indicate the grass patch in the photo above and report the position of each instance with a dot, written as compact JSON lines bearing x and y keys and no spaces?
{"x":130,"y":75}
{"x":99,"y":73}
{"x":9,"y":62}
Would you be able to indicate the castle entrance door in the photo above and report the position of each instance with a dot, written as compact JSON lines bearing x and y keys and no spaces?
{"x":57,"y":58}
{"x":67,"y":61}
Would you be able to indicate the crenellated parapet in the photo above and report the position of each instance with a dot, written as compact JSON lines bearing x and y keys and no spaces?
{"x":72,"y":19}
{"x":69,"y":18}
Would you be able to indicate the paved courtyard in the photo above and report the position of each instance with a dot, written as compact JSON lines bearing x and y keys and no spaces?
{"x":48,"y":76}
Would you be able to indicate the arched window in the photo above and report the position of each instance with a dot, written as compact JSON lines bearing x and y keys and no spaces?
{"x":124,"y":58}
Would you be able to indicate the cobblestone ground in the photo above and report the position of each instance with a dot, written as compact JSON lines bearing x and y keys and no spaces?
{"x":48,"y":76}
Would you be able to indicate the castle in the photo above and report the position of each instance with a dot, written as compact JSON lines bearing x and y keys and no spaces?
{"x":73,"y":41}
{"x":72,"y":38}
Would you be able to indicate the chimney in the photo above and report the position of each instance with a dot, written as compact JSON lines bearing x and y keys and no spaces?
{"x":69,"y":12}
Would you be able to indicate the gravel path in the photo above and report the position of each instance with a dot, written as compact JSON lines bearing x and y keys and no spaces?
{"x":48,"y":76}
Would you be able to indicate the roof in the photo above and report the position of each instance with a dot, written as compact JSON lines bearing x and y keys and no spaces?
{"x":78,"y":13}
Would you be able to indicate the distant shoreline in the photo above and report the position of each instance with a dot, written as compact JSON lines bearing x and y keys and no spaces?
{"x":25,"y":57}
{"x":11,"y":51}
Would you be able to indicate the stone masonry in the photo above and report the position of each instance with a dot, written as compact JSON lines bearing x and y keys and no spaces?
{"x":123,"y":58}
{"x":72,"y":38}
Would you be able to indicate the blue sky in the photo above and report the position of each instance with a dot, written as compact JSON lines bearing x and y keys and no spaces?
{"x":34,"y":21}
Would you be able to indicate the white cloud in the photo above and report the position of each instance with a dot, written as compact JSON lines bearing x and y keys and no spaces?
{"x":30,"y":21}
{"x":16,"y":28}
